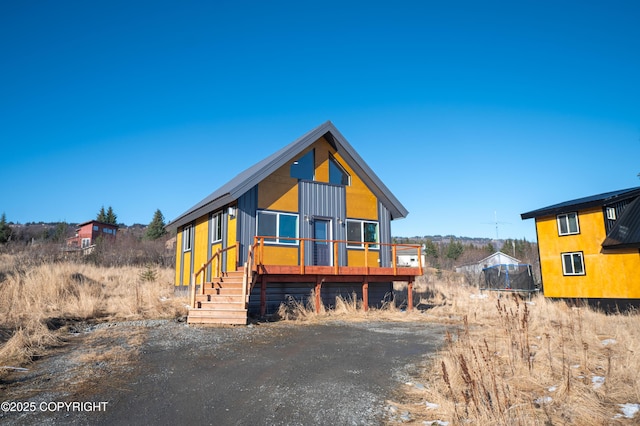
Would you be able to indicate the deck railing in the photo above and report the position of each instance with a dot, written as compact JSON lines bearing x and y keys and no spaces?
{"x":215,"y":259}
{"x":300,"y":243}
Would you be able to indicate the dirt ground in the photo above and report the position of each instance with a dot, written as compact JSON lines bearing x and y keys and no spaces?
{"x":164,"y":372}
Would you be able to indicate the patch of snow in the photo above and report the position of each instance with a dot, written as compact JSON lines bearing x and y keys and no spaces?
{"x":530,"y":303}
{"x":597,"y":381}
{"x":431,"y":405}
{"x":575,"y":366}
{"x":628,"y":410}
{"x":543,"y":400}
{"x":553,"y":389}
{"x":607,"y":342}
{"x":478,"y":296}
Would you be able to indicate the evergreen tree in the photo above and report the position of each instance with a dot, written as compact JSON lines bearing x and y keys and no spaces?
{"x":5,"y":229}
{"x":156,"y":229}
{"x":430,"y":249}
{"x":102,"y":216}
{"x":112,"y":218}
{"x":455,"y":249}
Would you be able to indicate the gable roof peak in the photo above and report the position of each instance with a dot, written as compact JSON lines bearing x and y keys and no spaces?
{"x":250,"y":177}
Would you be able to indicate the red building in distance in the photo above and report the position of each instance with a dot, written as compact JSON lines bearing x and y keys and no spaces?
{"x":88,"y":232}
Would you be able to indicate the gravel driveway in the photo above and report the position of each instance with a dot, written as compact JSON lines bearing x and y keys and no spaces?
{"x":330,"y":373}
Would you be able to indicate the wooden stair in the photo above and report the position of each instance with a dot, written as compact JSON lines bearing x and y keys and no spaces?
{"x":222,"y":301}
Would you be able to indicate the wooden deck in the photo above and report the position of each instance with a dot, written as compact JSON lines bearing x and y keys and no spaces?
{"x":209,"y":307}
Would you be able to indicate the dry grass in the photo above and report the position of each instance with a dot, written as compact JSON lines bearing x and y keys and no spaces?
{"x":516,"y":362}
{"x":37,"y":299}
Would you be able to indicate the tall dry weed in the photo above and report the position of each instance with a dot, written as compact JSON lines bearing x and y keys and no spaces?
{"x":518,"y":362}
{"x":38,"y":298}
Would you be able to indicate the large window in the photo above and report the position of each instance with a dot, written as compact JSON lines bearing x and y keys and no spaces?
{"x":216,"y":227}
{"x":360,"y":232}
{"x":186,"y":238}
{"x":568,"y":224}
{"x":280,"y":226}
{"x":572,"y":263}
{"x":337,"y":174}
{"x":304,"y":167}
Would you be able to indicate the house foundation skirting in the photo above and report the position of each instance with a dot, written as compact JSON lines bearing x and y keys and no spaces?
{"x":270,"y":292}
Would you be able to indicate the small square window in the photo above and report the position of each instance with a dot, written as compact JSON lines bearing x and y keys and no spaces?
{"x":611,"y":213}
{"x":568,"y":224}
{"x":573,"y":263}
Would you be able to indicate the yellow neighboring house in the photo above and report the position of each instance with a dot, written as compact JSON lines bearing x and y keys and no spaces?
{"x":590,"y":247}
{"x":311,"y":217}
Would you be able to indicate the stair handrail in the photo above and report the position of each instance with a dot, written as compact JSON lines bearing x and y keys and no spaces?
{"x":248,"y":266}
{"x":217,"y":255}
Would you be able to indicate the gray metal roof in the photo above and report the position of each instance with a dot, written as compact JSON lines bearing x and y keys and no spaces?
{"x":626,"y":232}
{"x":583,"y":203}
{"x":246,"y":180}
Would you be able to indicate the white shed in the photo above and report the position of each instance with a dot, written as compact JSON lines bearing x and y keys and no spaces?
{"x":474,"y":270}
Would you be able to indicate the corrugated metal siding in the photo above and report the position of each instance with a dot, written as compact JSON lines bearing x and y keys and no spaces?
{"x":326,"y":201}
{"x":385,"y":235}
{"x":247,"y":206}
{"x":278,"y":293}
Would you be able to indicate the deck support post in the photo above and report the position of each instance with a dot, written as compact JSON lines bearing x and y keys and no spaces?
{"x":317,"y":294}
{"x":263,"y":295}
{"x":365,"y":295}
{"x":410,"y":295}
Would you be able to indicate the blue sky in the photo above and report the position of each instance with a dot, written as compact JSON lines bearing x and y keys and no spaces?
{"x":467,"y":111}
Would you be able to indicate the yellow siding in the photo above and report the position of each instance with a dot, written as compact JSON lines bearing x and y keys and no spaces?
{"x":280,"y":255}
{"x":178,"y":256}
{"x":232,"y":233}
{"x":201,"y":240}
{"x":322,"y":160}
{"x":608,"y":275}
{"x":361,"y":202}
{"x":186,"y":273}
{"x":279,"y":191}
{"x":356,"y":258}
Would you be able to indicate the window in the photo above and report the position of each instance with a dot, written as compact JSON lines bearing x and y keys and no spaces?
{"x":278,"y":225}
{"x":186,"y":238}
{"x":611,"y":213}
{"x":572,"y":263}
{"x":337,"y":173}
{"x":86,"y":242}
{"x":96,"y":228}
{"x":360,"y":232}
{"x":568,"y":224}
{"x":216,"y":227}
{"x":304,"y":167}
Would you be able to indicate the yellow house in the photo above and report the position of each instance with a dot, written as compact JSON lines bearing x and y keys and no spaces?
{"x":312,"y":216}
{"x":589,"y":247}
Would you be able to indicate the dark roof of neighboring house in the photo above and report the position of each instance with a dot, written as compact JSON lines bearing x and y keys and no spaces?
{"x":246,"y":180}
{"x":80,"y":225}
{"x":626,"y":232}
{"x":583,"y":203}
